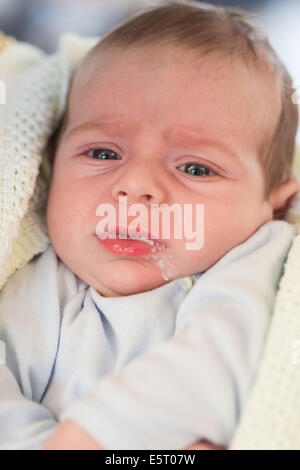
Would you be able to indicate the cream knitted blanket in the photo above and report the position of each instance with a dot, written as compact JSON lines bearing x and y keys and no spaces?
{"x":36,"y":87}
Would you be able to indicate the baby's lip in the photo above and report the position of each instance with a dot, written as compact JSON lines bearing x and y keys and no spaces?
{"x":123,"y":233}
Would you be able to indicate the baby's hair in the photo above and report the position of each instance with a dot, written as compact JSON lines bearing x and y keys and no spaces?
{"x":208,"y":29}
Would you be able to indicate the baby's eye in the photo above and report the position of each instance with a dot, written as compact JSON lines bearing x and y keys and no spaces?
{"x":196,"y":169}
{"x":104,"y":154}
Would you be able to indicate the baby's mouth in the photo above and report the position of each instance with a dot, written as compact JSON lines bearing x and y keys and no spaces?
{"x":125,"y":245}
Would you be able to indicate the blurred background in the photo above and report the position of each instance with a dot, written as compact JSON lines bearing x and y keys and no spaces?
{"x":41,"y":22}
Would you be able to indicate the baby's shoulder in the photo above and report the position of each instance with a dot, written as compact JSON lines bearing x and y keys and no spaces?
{"x":39,"y":288}
{"x":26,"y":286}
{"x":270,"y":242}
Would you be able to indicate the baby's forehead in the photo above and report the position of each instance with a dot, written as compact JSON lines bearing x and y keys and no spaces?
{"x":216,"y":60}
{"x":265,"y":81}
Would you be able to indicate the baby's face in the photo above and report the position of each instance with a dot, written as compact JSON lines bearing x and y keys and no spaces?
{"x":181,"y":131}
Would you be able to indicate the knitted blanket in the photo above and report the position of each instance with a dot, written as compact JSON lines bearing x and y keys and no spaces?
{"x":36,"y":87}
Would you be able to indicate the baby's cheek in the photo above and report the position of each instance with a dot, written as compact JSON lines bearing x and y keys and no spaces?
{"x":65,"y":217}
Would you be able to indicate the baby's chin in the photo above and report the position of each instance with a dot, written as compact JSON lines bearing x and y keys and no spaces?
{"x":127,"y":277}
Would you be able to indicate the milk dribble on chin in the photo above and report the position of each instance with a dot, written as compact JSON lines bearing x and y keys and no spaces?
{"x":160,"y":255}
{"x":164,"y":260}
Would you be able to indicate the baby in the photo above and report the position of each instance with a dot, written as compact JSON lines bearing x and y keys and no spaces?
{"x":145,"y":344}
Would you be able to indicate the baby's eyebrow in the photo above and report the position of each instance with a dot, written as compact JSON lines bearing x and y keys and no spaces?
{"x":189,"y":136}
{"x":103,"y":124}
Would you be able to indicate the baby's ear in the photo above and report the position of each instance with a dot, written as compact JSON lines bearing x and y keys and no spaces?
{"x":282,"y":197}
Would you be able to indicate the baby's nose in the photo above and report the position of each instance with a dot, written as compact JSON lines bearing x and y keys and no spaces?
{"x":141,"y":184}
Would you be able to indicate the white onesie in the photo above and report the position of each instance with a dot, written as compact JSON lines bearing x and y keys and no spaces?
{"x":155,"y":370}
